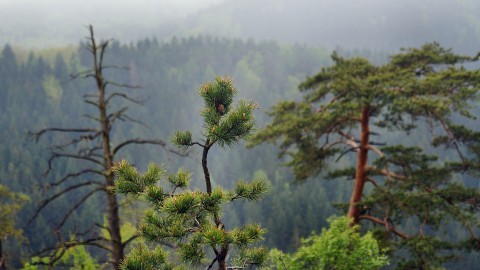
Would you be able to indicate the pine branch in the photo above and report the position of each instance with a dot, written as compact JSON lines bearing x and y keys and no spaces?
{"x":451,"y":136}
{"x":386,"y":224}
{"x":389,"y":174}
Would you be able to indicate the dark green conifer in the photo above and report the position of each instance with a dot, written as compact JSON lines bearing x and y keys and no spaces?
{"x":190,"y":220}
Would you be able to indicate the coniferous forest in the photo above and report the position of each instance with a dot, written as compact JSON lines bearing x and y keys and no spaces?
{"x":214,"y":142}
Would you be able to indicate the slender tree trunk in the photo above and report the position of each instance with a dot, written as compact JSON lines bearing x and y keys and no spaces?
{"x":112,"y":207}
{"x":222,"y":256}
{"x":208,"y":182}
{"x":222,"y":263}
{"x":114,"y":230}
{"x":3,"y":264}
{"x":361,"y":171}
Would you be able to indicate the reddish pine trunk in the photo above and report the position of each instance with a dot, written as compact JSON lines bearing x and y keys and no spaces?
{"x":361,"y":171}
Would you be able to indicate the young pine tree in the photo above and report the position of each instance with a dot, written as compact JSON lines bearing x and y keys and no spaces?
{"x":190,"y":220}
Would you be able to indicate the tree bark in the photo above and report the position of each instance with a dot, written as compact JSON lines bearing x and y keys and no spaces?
{"x":112,"y":206}
{"x":361,"y":171}
{"x":222,"y":264}
{"x":3,"y":265}
{"x":206,"y":173}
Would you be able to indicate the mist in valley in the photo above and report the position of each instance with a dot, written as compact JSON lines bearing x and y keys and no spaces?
{"x":171,"y":48}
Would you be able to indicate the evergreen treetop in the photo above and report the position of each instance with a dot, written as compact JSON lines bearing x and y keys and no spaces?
{"x":190,"y":220}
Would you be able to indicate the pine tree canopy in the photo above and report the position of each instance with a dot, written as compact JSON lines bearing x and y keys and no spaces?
{"x":355,"y":107}
{"x":190,"y":220}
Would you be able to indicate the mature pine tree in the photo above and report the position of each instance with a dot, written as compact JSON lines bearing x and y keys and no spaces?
{"x":95,"y":148}
{"x":190,"y":221}
{"x":352,"y":102}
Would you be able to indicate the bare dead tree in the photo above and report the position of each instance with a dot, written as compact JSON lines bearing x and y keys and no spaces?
{"x":97,"y":158}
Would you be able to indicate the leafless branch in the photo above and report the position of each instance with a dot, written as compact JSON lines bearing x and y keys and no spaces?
{"x":91,"y":102}
{"x":90,"y":151}
{"x":140,"y":141}
{"x":47,"y":201}
{"x":38,"y":134}
{"x":66,"y":177}
{"x":118,"y":114}
{"x":125,"y":96}
{"x":123,"y":85}
{"x":115,"y":67}
{"x":127,"y":117}
{"x":130,"y":239}
{"x":78,"y":204}
{"x":56,"y":155}
{"x":102,"y":227}
{"x":85,"y":73}
{"x":103,"y":46}
{"x":74,"y":141}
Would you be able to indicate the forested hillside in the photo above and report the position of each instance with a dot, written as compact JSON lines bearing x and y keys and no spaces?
{"x":290,"y":60}
{"x":169,"y":74}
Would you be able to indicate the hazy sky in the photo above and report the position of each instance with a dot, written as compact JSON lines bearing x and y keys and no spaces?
{"x":373,"y":24}
{"x":39,"y":23}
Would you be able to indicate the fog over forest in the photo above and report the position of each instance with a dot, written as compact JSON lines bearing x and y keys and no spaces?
{"x":333,"y":99}
{"x":370,"y":24}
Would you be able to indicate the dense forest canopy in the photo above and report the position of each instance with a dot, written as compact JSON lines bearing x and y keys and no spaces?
{"x":268,"y":48}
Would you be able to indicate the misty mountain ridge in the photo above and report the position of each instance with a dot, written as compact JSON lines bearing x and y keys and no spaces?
{"x":370,"y":24}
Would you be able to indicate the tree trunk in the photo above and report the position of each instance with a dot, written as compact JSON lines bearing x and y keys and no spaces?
{"x":114,"y":230}
{"x":361,"y":171}
{"x":112,"y":208}
{"x":3,"y":264}
{"x":222,"y":264}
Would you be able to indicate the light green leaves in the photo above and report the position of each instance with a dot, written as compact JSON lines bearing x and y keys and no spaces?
{"x":340,"y":247}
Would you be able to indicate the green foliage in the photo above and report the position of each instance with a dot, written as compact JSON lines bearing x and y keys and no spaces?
{"x":10,"y":204}
{"x":79,"y":258}
{"x":171,"y":104}
{"x":388,"y":102}
{"x":142,"y":258}
{"x":340,"y":247}
{"x":190,"y":219}
{"x":75,"y":258}
{"x":224,"y":124}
